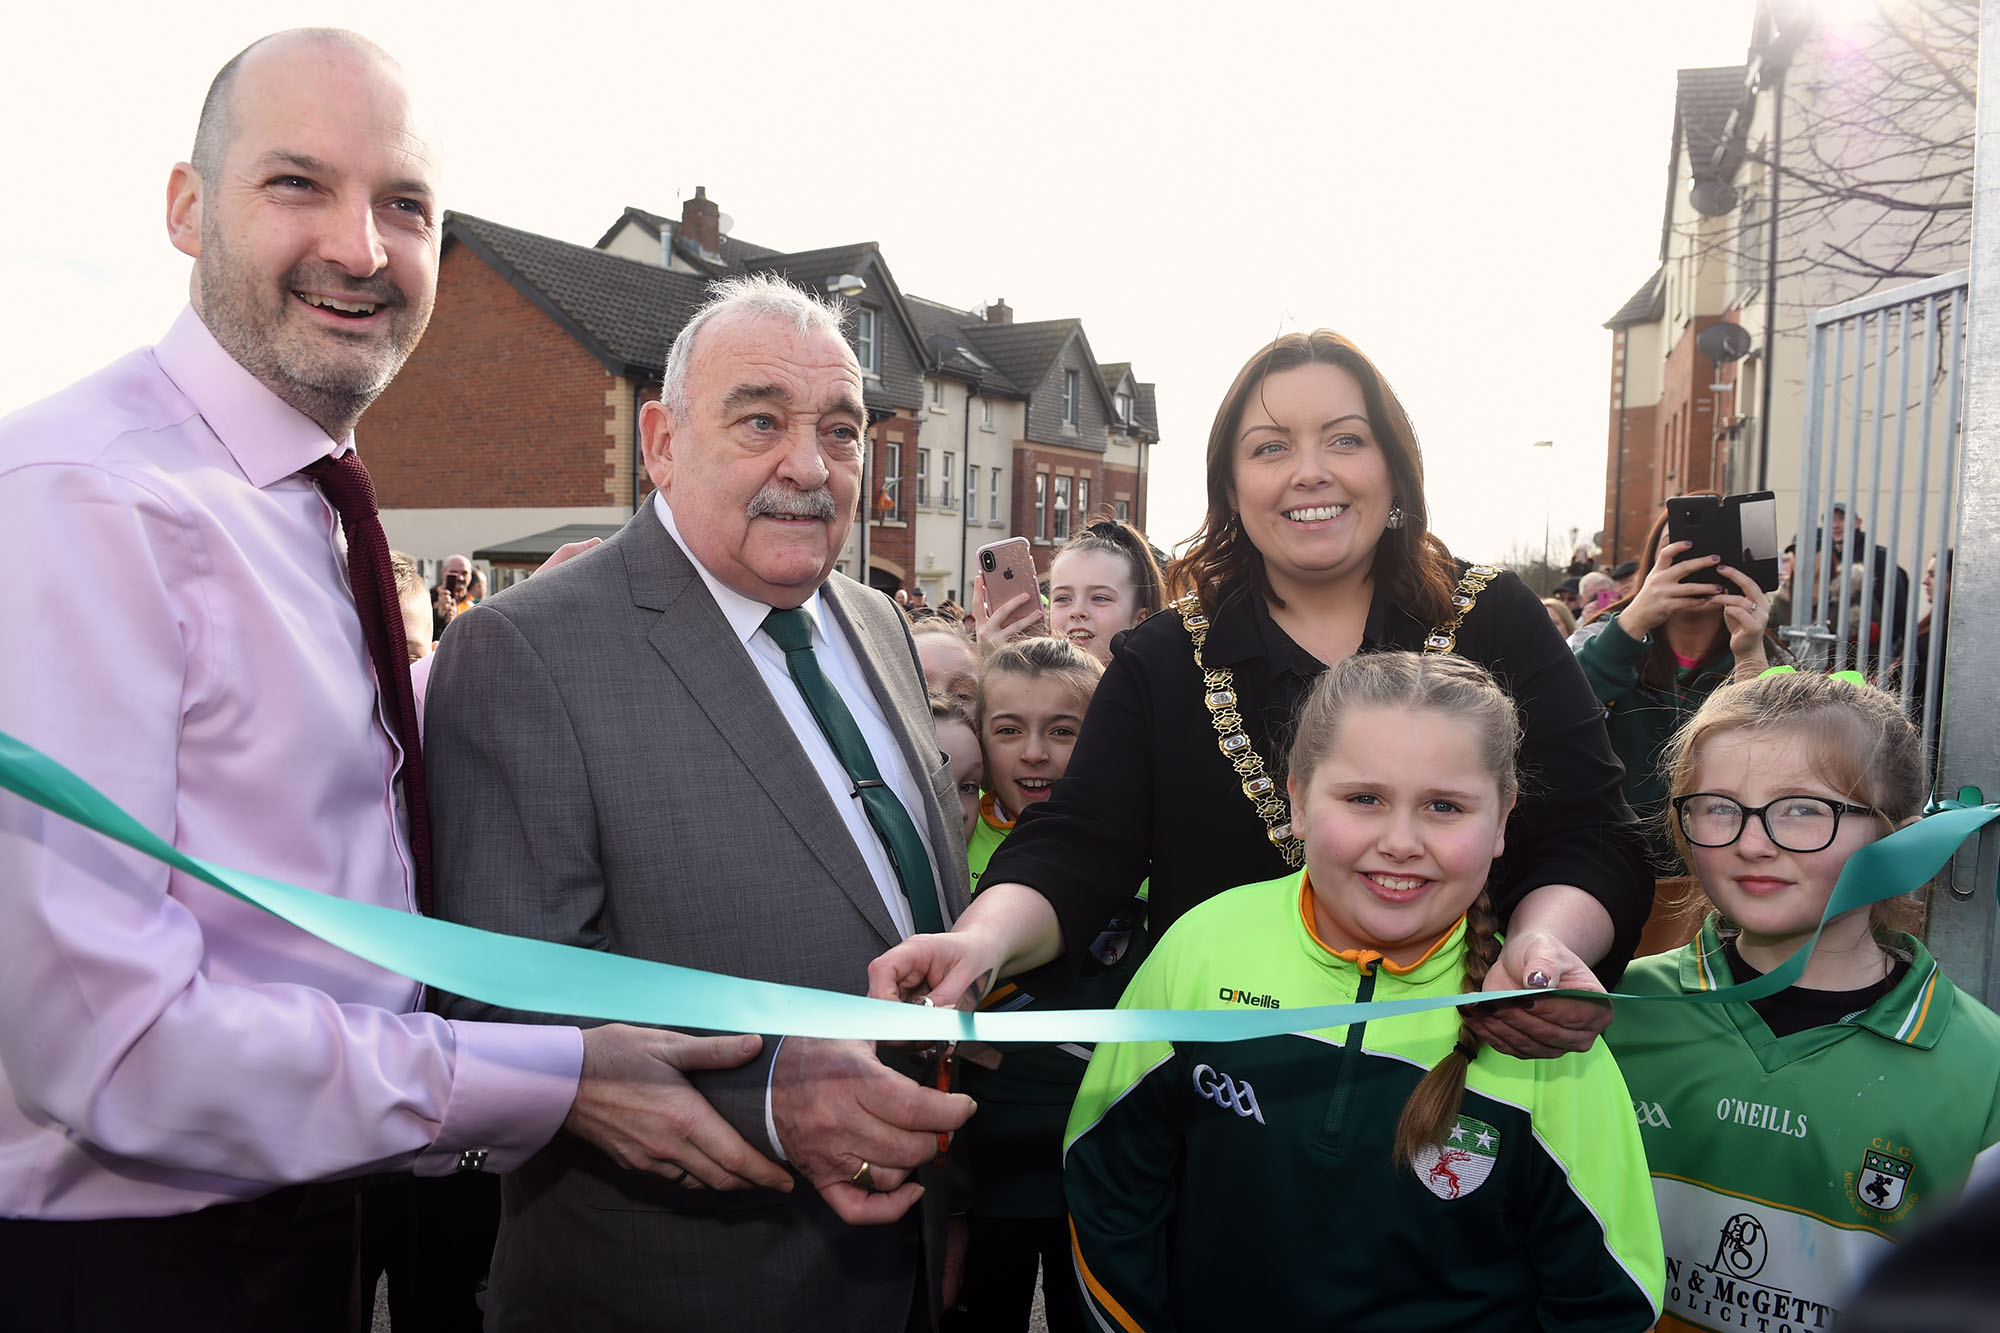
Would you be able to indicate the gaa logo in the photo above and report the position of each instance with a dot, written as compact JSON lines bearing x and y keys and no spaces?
{"x":1652,"y":1114}
{"x":1227,"y":1093}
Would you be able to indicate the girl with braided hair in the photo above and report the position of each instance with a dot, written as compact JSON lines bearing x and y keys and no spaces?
{"x":1395,"y":1174}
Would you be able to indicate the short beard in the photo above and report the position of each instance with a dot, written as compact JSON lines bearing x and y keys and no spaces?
{"x":332,"y":393}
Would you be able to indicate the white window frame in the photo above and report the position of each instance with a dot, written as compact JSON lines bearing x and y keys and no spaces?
{"x":986,"y":414}
{"x":923,"y":479}
{"x":892,"y":477}
{"x":1070,"y":397}
{"x":868,"y":341}
{"x":1041,"y":505}
{"x":1123,"y":402}
{"x":1082,"y":499}
{"x":1123,"y":508}
{"x":993,"y":490}
{"x":1060,"y":511}
{"x":945,"y":498}
{"x":972,"y":490}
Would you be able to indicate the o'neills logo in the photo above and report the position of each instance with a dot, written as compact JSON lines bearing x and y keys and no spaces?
{"x":1228,"y":996}
{"x":1227,"y":1093}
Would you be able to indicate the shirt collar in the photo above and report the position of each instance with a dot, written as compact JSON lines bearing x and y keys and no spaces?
{"x":1914,"y":1013}
{"x":268,"y":437}
{"x":745,"y":615}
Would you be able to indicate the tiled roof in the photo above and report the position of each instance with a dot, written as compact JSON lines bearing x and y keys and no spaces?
{"x":1023,"y":352}
{"x":810,"y":269}
{"x":943,"y":331}
{"x":1644,"y":305}
{"x":1703,"y":101}
{"x":1146,"y":412}
{"x":1112,"y":373}
{"x":624,"y":311}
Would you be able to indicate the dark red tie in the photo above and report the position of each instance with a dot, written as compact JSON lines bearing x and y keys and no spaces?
{"x":347,"y":486}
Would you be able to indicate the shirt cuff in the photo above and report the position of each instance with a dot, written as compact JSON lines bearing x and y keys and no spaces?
{"x":512,"y":1086}
{"x":770,"y":1116}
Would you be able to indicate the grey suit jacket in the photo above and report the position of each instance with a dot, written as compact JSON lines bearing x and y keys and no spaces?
{"x":608,"y":769}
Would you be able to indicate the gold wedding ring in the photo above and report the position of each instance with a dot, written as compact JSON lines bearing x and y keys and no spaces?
{"x":865,"y":1178}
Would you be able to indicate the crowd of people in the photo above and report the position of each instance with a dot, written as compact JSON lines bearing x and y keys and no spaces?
{"x":1317,"y":758}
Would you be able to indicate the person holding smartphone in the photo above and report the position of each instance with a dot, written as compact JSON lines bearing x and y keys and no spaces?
{"x":1654,"y":657}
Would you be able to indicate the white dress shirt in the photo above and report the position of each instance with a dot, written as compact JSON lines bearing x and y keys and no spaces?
{"x":843,"y":670}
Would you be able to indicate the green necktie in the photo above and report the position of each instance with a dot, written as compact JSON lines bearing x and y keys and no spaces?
{"x":792,"y":631}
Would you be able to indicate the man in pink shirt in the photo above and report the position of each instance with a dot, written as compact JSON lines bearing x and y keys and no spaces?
{"x":181,"y":1075}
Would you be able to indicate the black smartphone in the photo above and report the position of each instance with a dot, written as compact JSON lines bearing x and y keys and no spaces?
{"x":1742,"y":529}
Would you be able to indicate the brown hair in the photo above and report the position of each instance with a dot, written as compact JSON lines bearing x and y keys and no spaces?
{"x":1112,"y":537}
{"x":1222,"y":566}
{"x":950,"y":708}
{"x":1460,"y":689}
{"x":1867,"y":751}
{"x":404,"y":571}
{"x":1036,"y":658}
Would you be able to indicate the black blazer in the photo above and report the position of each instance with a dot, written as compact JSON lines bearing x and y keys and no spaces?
{"x":1149,"y":794}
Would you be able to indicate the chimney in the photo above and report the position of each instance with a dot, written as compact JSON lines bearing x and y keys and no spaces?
{"x":1000,"y":312}
{"x":701,"y":223}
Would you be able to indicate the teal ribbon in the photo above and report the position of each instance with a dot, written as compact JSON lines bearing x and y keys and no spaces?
{"x":540,"y":977}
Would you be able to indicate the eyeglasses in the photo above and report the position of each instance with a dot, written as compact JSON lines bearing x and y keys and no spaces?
{"x":1795,"y":823}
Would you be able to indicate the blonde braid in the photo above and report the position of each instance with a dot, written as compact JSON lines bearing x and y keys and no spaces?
{"x":1433,"y":1108}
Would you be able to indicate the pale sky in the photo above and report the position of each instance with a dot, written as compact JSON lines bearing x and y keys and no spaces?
{"x":1468,"y":190}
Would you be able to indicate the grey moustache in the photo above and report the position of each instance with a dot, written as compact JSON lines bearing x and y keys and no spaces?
{"x":780,"y":501}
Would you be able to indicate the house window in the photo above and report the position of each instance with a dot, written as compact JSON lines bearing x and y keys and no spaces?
{"x":937,"y":393}
{"x":1069,"y":398}
{"x":923,"y":478}
{"x":993,"y":511}
{"x":1123,"y":402}
{"x":1124,"y":510}
{"x":972,"y":490}
{"x":892,"y":476}
{"x":986,"y":414}
{"x":1041,"y":505}
{"x":945,"y":500}
{"x":1060,"y":523}
{"x":868,"y":342}
{"x":1083,"y":499}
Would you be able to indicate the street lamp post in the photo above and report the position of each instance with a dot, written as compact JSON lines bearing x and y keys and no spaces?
{"x":1547,"y":501}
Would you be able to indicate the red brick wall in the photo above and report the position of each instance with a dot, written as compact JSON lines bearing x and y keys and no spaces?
{"x":1056,"y":461}
{"x":895,"y":541}
{"x":1690,"y":455}
{"x":497,"y":408}
{"x":1120,"y":483}
{"x":1629,"y":494}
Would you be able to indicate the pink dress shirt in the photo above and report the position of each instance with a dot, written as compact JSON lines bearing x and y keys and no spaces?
{"x":175,"y":625}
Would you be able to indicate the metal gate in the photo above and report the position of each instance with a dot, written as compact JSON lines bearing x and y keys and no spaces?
{"x":1883,"y":415}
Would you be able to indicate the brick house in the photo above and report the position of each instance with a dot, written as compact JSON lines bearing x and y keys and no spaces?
{"x":514,"y":425}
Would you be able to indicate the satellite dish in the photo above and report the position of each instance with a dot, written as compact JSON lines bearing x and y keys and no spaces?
{"x":724,"y":224}
{"x":1723,"y":343}
{"x":1712,"y":198}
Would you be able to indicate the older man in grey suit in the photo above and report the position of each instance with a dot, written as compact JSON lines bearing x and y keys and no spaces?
{"x":696,"y":744}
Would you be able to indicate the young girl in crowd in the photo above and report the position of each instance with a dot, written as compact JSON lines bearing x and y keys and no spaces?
{"x":949,"y":660}
{"x":1033,"y":695}
{"x":958,"y":738}
{"x":1793,"y":1138}
{"x":1103,"y":582}
{"x":1388,"y":1175}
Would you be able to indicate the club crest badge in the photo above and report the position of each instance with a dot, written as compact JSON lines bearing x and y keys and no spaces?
{"x":1881,"y":1181}
{"x":1460,"y":1164}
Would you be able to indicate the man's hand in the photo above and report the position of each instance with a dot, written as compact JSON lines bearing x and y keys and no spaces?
{"x":837,"y":1108}
{"x":633,"y":1102}
{"x":1539,"y":1029}
{"x":566,"y":552}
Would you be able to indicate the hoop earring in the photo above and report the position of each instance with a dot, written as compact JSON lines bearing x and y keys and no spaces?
{"x":1395,"y":519}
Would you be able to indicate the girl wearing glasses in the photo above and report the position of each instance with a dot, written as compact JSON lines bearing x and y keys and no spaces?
{"x":1792,"y":1139}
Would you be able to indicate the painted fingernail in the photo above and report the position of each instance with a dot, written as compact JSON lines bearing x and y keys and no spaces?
{"x":1539,"y":980}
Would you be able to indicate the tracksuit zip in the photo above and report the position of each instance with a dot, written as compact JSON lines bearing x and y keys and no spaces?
{"x":1350,"y":1059}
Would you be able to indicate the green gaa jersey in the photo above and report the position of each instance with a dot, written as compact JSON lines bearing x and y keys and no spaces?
{"x":1785,"y":1166}
{"x":1250,"y":1184}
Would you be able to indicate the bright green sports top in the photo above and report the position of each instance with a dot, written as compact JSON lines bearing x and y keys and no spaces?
{"x":1785,"y":1166}
{"x":1251,"y":1185}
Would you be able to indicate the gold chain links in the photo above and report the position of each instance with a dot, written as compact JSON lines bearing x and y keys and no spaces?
{"x":1218,"y":686}
{"x":1444,"y":638}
